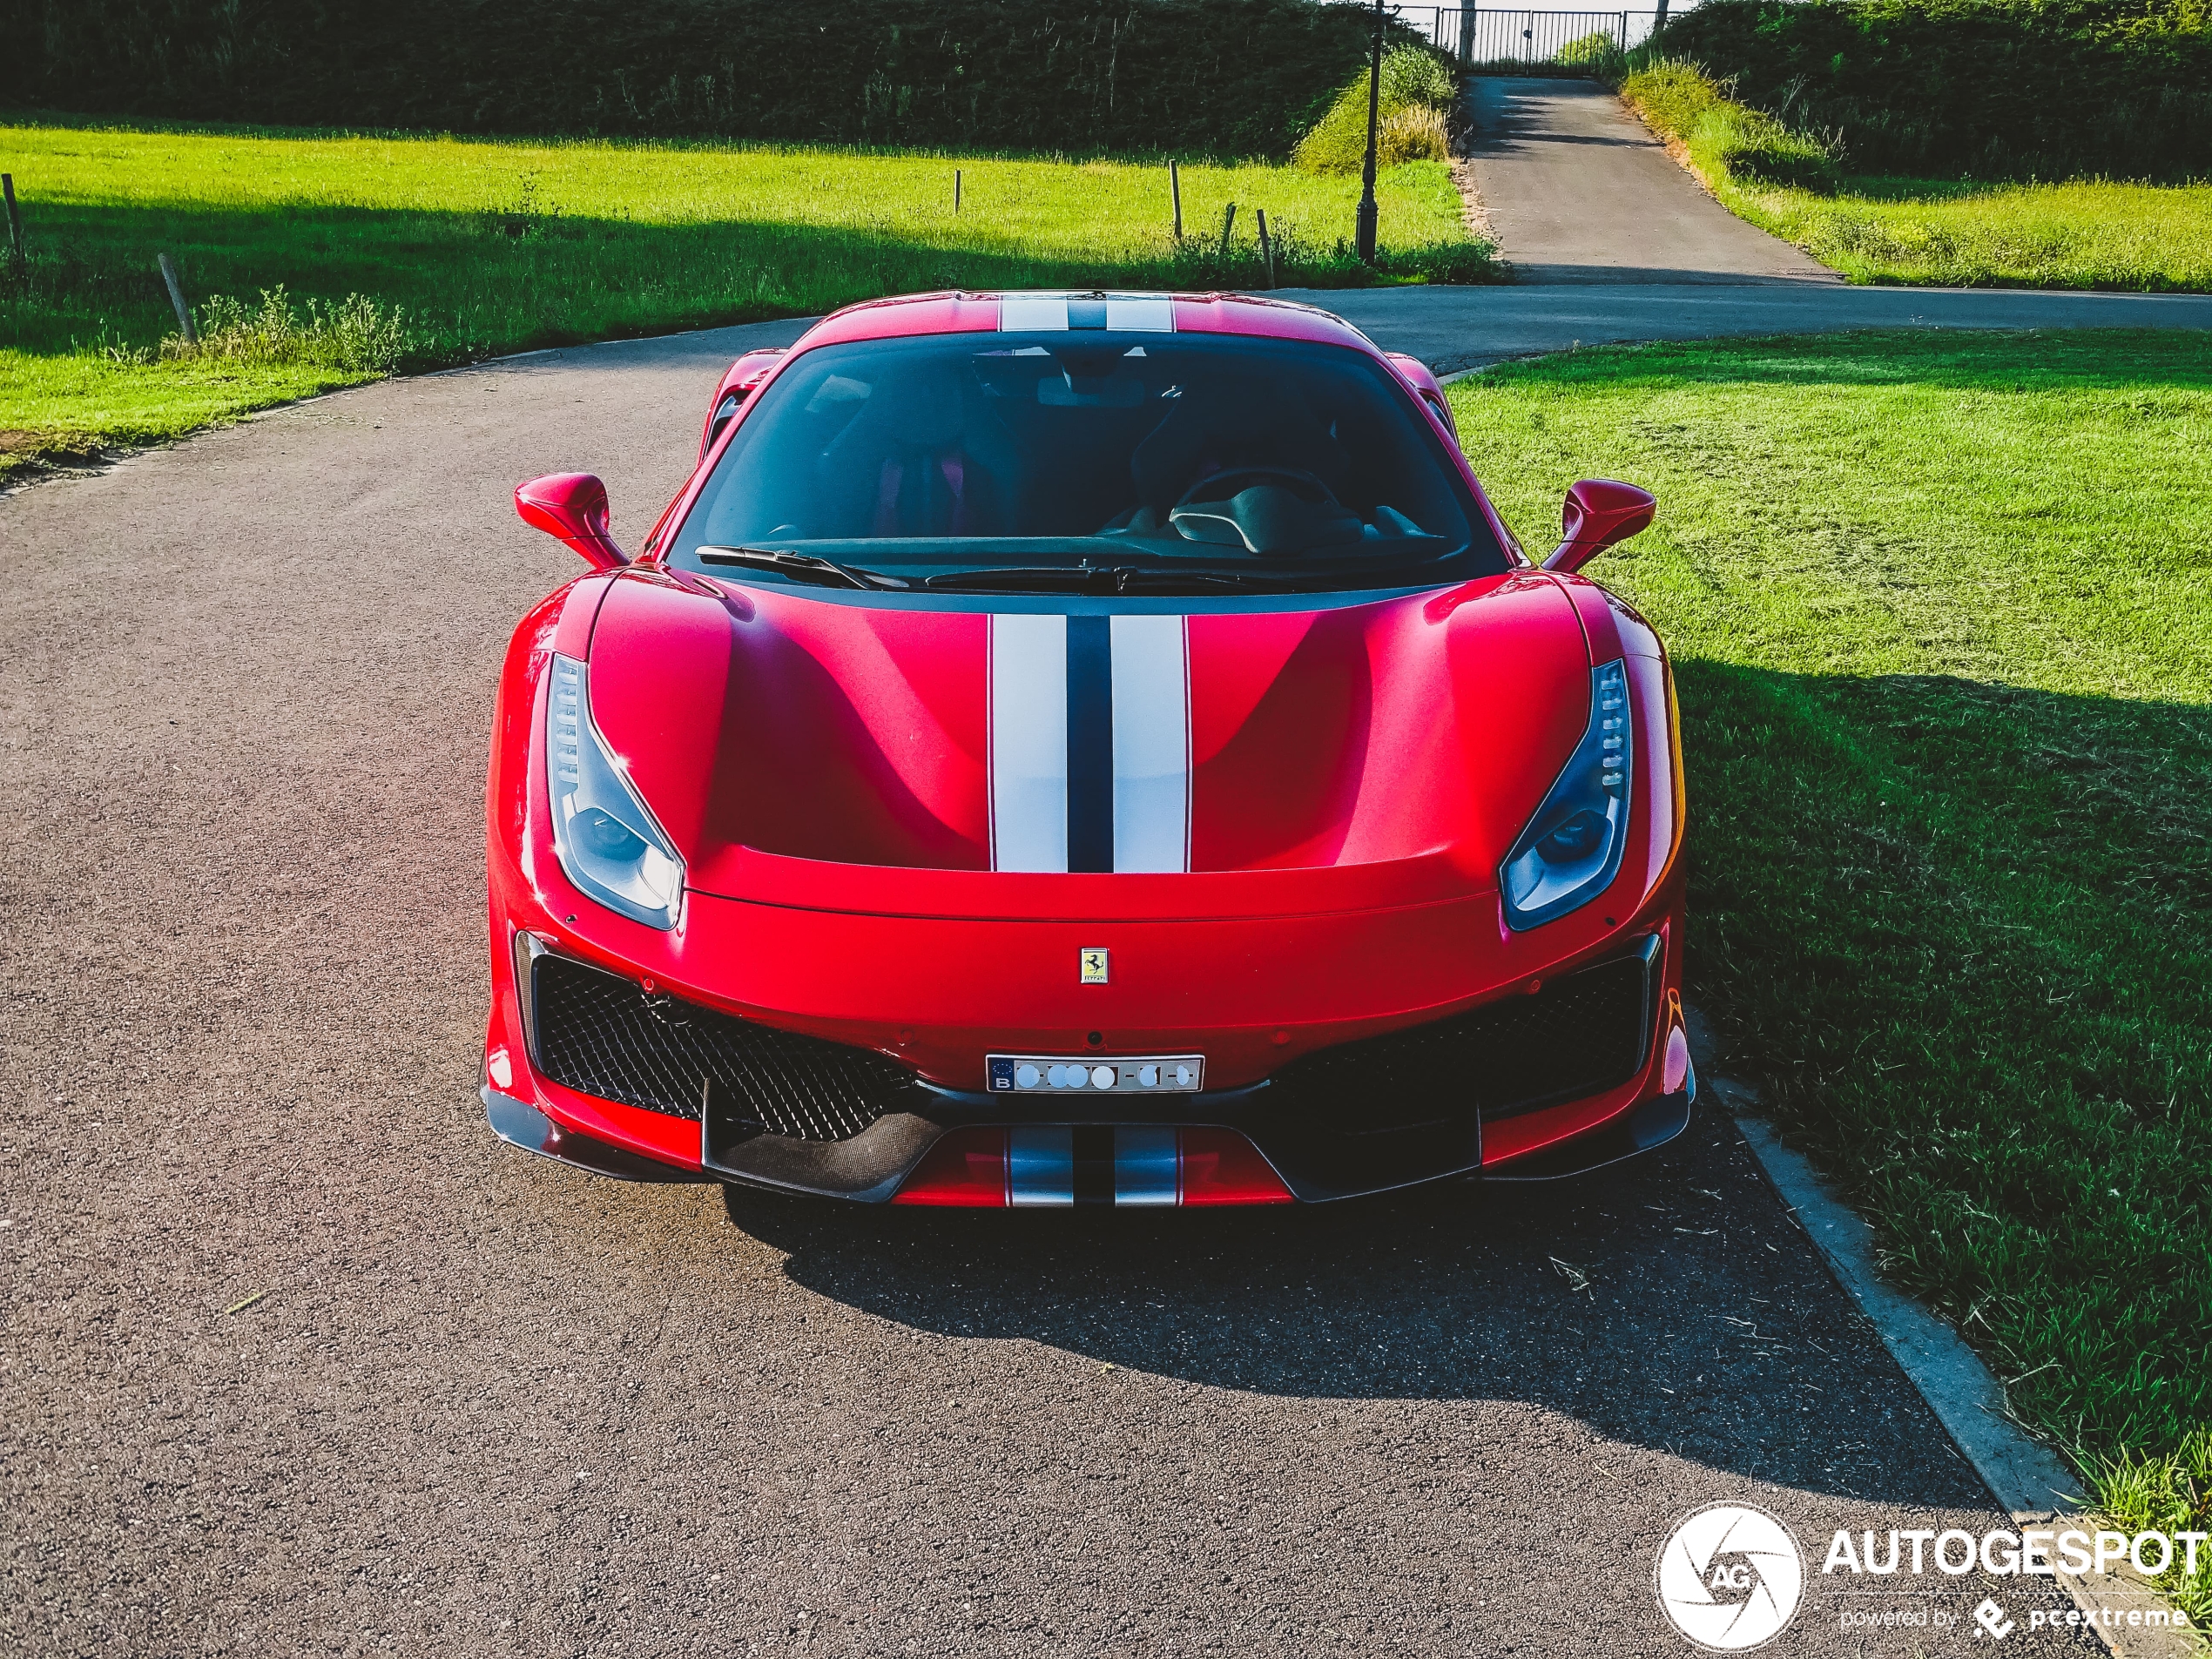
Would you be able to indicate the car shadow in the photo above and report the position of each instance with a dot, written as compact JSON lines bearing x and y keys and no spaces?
{"x":1669,"y":1303}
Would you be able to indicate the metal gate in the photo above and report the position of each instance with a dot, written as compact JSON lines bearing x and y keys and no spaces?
{"x":1477,"y":35}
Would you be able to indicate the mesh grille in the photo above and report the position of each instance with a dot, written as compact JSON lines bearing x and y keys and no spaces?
{"x":602,"y":1034}
{"x":1574,"y":1037}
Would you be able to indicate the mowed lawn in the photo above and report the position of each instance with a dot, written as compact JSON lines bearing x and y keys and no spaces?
{"x":2089,"y":233}
{"x":472,"y":247}
{"x":1941,"y":612}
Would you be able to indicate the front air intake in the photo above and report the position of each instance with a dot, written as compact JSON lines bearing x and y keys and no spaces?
{"x":1579,"y":1035}
{"x":602,"y":1034}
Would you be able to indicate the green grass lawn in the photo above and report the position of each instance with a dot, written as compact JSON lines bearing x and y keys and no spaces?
{"x":2087,"y":235}
{"x":488,"y":247}
{"x":1941,"y":612}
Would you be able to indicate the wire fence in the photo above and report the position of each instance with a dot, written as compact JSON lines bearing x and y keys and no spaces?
{"x":1478,"y":35}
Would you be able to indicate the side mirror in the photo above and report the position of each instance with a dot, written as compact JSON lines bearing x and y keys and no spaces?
{"x":1598,"y":513}
{"x":572,"y":506}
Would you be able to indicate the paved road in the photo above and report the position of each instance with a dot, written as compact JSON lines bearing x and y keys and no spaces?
{"x":1577,"y":190}
{"x":487,"y":1406}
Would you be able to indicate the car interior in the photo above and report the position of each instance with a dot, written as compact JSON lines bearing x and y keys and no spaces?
{"x":1219,"y":446}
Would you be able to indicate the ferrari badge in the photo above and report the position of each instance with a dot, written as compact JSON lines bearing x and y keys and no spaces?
{"x":1094,"y":966}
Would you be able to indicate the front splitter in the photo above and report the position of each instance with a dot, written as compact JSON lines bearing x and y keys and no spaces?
{"x":1319,"y":1163}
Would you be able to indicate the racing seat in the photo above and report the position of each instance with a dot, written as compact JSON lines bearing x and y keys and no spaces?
{"x":916,"y":462}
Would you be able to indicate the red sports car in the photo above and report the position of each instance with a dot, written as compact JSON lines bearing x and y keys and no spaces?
{"x":1067,"y":749}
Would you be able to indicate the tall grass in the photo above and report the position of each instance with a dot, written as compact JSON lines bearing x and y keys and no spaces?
{"x":1414,"y":100}
{"x":1724,"y":138}
{"x":356,"y":335}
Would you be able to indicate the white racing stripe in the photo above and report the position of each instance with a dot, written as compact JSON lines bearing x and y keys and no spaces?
{"x":1049,"y":313}
{"x":1151,"y":744}
{"x":1146,"y":316}
{"x":1034,"y":313}
{"x":1028,"y":743}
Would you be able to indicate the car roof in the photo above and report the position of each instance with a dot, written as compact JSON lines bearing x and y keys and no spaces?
{"x":1117,"y":311}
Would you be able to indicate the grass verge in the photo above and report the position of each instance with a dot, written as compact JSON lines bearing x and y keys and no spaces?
{"x":1939,"y":610}
{"x":472,"y":248}
{"x":2088,"y":233}
{"x":2091,"y":234}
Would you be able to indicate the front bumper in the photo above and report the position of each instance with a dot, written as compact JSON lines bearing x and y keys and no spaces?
{"x":713,"y":1096}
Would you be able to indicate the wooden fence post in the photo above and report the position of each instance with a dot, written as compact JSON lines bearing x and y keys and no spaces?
{"x":1266,"y":247}
{"x":1228,"y":223}
{"x":1174,"y":193}
{"x":15,"y":220}
{"x":956,"y":190}
{"x":177,"y":298}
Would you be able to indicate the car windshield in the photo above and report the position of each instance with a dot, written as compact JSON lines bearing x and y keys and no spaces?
{"x":1090,"y":461}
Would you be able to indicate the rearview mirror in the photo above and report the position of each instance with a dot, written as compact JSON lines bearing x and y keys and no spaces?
{"x":1598,"y":513}
{"x":572,"y":506}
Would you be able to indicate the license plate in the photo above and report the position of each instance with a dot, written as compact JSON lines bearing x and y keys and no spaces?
{"x":1036,"y":1074}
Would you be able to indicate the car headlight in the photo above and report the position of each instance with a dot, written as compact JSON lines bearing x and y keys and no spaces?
{"x":605,"y":835}
{"x":1571,"y":850}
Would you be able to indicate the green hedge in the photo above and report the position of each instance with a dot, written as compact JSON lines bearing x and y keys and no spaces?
{"x":1220,"y":77}
{"x":1998,"y":89}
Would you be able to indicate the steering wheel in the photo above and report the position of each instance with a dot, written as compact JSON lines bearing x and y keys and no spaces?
{"x":1220,"y":486}
{"x":1299,"y":514}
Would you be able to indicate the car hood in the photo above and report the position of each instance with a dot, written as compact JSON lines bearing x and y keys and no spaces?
{"x":998,"y":755}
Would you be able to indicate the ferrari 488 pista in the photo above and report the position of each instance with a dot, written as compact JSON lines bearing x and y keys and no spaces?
{"x":1064,"y":749}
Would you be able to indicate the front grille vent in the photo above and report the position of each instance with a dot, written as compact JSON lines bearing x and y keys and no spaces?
{"x":601,"y":1035}
{"x":1578,"y":1036}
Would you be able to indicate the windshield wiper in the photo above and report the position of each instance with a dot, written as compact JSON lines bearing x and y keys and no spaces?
{"x":802,"y":567}
{"x":1101,"y":579}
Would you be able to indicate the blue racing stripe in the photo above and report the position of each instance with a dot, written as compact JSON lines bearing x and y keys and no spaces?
{"x":1090,"y":744}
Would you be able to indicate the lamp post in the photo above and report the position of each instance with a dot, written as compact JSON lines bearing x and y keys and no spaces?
{"x":1366,"y":232}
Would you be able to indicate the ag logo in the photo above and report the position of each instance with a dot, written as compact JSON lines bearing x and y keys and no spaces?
{"x":1092,"y":967}
{"x":1730,"y":1577}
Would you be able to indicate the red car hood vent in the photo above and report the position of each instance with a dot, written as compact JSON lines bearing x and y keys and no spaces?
{"x":773,"y":729}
